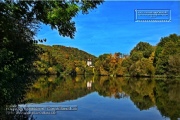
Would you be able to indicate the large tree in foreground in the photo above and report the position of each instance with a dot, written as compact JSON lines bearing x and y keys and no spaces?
{"x":19,"y":22}
{"x":57,"y":14}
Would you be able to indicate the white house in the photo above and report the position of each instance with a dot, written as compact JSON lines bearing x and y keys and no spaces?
{"x":89,"y":62}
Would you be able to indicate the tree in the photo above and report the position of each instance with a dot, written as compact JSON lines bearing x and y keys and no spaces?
{"x":174,"y":64}
{"x":168,"y":46}
{"x":57,"y":14}
{"x":126,"y":63}
{"x":135,"y":56}
{"x":145,"y":48}
{"x":17,"y":51}
{"x":19,"y":23}
{"x":141,"y":60}
{"x":142,"y":67}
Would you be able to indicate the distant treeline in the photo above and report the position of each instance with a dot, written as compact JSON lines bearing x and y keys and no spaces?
{"x":162,"y":60}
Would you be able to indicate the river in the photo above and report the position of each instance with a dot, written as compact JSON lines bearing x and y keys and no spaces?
{"x":103,"y":98}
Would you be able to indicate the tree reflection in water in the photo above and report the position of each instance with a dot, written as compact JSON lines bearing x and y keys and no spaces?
{"x":144,"y":92}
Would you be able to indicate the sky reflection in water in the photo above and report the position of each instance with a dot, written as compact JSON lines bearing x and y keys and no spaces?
{"x":107,"y":99}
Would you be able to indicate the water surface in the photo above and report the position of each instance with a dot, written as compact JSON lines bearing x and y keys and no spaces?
{"x":106,"y":98}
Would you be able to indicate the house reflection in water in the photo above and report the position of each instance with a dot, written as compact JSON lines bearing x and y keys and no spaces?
{"x":89,"y":84}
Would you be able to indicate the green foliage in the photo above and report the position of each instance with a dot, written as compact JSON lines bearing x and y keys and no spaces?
{"x":174,"y":64}
{"x":59,"y":14}
{"x":52,"y":70}
{"x":126,"y":63}
{"x":17,"y":52}
{"x":89,"y":71}
{"x":135,"y":56}
{"x":62,"y":59}
{"x":18,"y":49}
{"x":166,"y":48}
{"x":144,"y":49}
{"x":80,"y":71}
{"x":108,"y":64}
{"x":140,"y":63}
{"x":142,"y":68}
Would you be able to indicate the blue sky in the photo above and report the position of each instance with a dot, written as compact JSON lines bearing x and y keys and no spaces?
{"x":111,"y":27}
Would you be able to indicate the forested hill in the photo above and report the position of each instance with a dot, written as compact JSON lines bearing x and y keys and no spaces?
{"x":60,"y":59}
{"x":144,"y":60}
{"x":68,"y":53}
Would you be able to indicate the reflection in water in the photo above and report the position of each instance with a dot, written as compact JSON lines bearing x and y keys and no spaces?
{"x":89,"y":84}
{"x":145,"y":93}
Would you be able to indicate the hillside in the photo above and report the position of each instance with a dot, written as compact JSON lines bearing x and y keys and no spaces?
{"x":145,"y":60}
{"x":58,"y":59}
